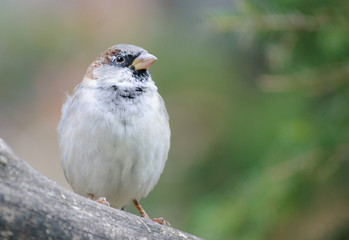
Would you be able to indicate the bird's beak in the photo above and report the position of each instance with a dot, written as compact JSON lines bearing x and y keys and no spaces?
{"x":143,"y":61}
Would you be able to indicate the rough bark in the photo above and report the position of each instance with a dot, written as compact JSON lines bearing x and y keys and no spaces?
{"x":34,"y":207}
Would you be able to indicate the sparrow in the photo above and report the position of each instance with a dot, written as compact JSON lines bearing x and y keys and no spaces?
{"x":114,"y":133}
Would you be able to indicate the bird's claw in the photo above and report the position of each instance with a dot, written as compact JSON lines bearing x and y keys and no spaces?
{"x":161,"y":221}
{"x":103,"y":201}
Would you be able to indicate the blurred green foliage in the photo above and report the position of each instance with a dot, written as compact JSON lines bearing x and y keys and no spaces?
{"x":258,"y":98}
{"x":280,"y":171}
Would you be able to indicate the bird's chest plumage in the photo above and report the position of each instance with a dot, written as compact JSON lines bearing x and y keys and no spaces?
{"x":121,"y":135}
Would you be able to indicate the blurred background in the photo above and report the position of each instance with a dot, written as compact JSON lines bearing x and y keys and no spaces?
{"x":257,"y":93}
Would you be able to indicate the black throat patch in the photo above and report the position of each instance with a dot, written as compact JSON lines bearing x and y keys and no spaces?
{"x":128,"y":93}
{"x":141,"y":75}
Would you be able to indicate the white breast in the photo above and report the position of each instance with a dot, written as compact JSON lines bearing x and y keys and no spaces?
{"x":117,"y":152}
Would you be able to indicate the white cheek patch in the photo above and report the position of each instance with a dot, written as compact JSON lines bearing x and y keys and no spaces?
{"x":112,"y":74}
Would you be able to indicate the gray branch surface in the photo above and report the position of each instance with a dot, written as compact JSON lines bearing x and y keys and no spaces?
{"x":34,"y":207}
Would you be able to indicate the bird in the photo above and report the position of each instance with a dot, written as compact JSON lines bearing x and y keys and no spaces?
{"x":114,"y":132}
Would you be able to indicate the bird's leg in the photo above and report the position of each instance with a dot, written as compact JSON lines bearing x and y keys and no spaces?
{"x":101,"y":200}
{"x":140,"y":209}
{"x":145,"y":215}
{"x":91,"y":196}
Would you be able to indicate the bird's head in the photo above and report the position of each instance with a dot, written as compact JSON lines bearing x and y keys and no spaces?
{"x":121,"y":62}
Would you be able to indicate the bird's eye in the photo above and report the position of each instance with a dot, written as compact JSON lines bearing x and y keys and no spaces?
{"x":120,"y":59}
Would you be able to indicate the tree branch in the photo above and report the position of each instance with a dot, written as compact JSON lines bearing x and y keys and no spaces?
{"x":34,"y":207}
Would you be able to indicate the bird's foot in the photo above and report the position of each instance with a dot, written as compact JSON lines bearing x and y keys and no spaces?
{"x":161,"y":221}
{"x":143,"y":214}
{"x":101,"y":200}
